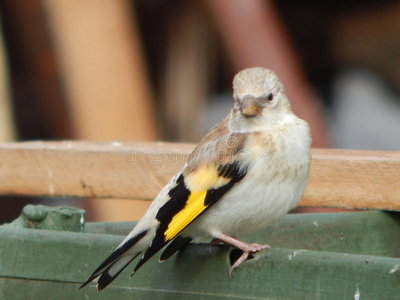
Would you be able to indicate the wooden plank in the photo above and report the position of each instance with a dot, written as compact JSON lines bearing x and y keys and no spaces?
{"x":113,"y":170}
{"x":338,"y":178}
{"x":354,"y":179}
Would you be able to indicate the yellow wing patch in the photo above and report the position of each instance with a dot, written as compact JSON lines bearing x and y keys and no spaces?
{"x":205,"y":178}
{"x":194,"y":206}
{"x":198,"y":182}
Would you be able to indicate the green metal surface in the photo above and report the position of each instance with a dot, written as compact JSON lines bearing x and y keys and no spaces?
{"x":370,"y":232}
{"x":39,"y":263}
{"x":53,"y":218}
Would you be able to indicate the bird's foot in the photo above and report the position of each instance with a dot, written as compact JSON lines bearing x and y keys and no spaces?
{"x":247,"y":250}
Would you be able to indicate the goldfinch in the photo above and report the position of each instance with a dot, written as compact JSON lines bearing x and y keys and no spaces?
{"x":246,"y":173}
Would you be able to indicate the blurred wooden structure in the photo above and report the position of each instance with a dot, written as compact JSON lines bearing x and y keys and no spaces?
{"x":109,"y":93}
{"x":103,"y":66}
{"x":188,"y":72}
{"x":34,"y":73}
{"x":7,"y":129}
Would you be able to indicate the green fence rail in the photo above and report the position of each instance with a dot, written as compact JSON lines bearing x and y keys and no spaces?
{"x":353,"y":255}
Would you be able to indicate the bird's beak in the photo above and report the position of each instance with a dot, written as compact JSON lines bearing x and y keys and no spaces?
{"x":250,"y":107}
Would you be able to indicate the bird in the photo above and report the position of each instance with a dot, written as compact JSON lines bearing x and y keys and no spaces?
{"x":246,"y":173}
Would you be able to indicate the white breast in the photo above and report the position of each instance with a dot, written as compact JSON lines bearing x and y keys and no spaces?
{"x":273,"y":185}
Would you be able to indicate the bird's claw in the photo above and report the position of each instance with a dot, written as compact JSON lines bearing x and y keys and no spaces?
{"x":247,"y":250}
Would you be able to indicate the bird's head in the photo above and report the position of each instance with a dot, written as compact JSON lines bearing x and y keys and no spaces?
{"x":258,"y":98}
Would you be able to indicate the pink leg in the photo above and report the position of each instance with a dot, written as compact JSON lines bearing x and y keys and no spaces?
{"x":246,"y":248}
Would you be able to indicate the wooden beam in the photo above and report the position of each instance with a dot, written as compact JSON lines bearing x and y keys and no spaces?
{"x":354,"y":179}
{"x":338,"y":178}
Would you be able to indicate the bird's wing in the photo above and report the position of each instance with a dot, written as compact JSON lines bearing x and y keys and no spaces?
{"x":212,"y":169}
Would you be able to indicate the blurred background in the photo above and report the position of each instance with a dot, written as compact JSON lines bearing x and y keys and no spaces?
{"x":147,"y":70}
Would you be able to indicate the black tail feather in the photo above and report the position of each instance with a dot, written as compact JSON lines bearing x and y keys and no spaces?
{"x":105,"y":266}
{"x":153,"y":249}
{"x":105,"y":278}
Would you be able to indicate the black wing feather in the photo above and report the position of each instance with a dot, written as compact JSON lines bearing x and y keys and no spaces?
{"x":174,"y":246}
{"x":179,"y":195}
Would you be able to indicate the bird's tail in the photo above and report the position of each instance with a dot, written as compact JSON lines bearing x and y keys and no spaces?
{"x":114,"y":264}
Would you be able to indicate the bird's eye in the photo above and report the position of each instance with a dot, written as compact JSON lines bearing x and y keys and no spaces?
{"x":270,"y":97}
